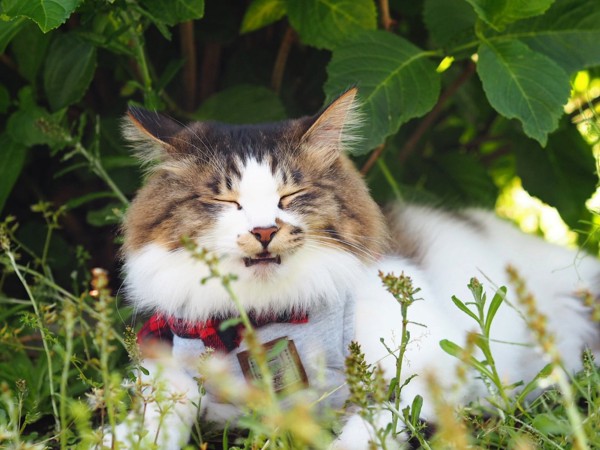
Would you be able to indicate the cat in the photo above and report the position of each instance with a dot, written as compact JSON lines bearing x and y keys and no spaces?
{"x":288,"y":214}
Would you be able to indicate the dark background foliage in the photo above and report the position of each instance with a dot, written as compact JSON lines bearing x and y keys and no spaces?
{"x":460,"y":99}
{"x":243,"y":62}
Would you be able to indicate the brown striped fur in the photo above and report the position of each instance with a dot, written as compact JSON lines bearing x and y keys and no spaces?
{"x":192,"y":165}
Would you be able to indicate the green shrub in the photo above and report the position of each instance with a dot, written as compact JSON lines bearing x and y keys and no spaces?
{"x":461,"y":98}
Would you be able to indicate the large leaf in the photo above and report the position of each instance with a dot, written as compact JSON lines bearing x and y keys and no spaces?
{"x":569,"y":33}
{"x":396,"y":81}
{"x":48,"y":14}
{"x":261,"y":13}
{"x":33,"y":125}
{"x":29,"y":48}
{"x":458,"y":176}
{"x":327,"y":23}
{"x":523,"y":84}
{"x":562,"y":175}
{"x":498,"y":13}
{"x":69,"y":70}
{"x":449,"y":22}
{"x":242,"y":104}
{"x":8,"y":30}
{"x":12,"y":158}
{"x":173,"y":12}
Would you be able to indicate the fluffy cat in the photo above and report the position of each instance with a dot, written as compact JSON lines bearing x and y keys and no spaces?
{"x":287,"y":213}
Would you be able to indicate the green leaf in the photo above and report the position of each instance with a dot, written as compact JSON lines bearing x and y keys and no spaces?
{"x":327,"y":23}
{"x":458,"y":352}
{"x":29,"y":48}
{"x":497,"y":300}
{"x":108,"y":215}
{"x":261,"y":13}
{"x":276,"y":350}
{"x":87,"y":198}
{"x":568,"y":33}
{"x":548,"y":424}
{"x":535,"y":383}
{"x":48,"y":14}
{"x":396,"y":81}
{"x":463,"y":176}
{"x":464,"y":308}
{"x":12,"y":160}
{"x":69,"y":70}
{"x":22,"y":126}
{"x":562,"y":175}
{"x":498,"y":13}
{"x":449,"y":23}
{"x":173,"y":12}
{"x":451,"y":348}
{"x":243,"y":103}
{"x":523,"y":84}
{"x":8,"y":30}
{"x":31,"y":124}
{"x":234,"y":321}
{"x":415,"y":409}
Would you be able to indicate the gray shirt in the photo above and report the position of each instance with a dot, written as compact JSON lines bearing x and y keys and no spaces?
{"x":321,"y":344}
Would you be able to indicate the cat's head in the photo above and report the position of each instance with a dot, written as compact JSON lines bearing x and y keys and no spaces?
{"x":280,"y":204}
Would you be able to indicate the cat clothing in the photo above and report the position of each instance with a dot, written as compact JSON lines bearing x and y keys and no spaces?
{"x":319,"y":345}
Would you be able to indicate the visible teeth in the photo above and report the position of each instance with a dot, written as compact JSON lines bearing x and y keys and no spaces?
{"x":262,"y":258}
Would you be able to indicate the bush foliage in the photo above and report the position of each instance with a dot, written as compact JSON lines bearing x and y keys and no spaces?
{"x":460,"y":99}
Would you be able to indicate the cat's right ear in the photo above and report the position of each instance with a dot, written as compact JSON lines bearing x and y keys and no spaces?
{"x":333,"y":130}
{"x":150,"y":133}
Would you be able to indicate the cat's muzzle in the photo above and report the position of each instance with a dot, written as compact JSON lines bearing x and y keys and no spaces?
{"x":262,"y":258}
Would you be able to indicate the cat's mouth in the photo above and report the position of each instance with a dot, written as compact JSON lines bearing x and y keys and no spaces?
{"x":262,"y":258}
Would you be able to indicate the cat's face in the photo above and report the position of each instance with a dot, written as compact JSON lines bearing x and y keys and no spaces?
{"x":279,"y":204}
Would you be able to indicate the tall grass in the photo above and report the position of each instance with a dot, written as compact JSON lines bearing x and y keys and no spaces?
{"x":65,"y":354}
{"x":70,"y":370}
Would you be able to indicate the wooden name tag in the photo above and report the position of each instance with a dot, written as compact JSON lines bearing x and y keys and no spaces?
{"x":284,"y":364}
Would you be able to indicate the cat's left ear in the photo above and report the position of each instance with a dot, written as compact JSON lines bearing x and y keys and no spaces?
{"x":334,"y":129}
{"x":150,"y":133}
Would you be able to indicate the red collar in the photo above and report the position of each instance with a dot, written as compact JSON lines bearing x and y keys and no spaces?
{"x":163,"y":328}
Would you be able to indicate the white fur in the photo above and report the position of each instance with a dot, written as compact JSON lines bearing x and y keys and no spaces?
{"x":169,"y":281}
{"x":179,"y":396}
{"x":453,"y":251}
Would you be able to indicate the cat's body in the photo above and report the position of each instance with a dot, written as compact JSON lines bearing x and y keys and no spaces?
{"x":289,"y":215}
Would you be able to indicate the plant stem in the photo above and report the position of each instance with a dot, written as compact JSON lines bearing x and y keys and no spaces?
{"x":98,"y":168}
{"x":386,"y":20}
{"x":282,"y":55}
{"x":209,"y":71}
{"x":416,"y":433}
{"x":405,"y":337}
{"x":47,"y":248}
{"x":570,"y":408}
{"x":40,"y":323}
{"x":138,"y":50}
{"x":390,"y":179}
{"x":430,"y":118}
{"x":267,"y":379}
{"x":69,"y":329}
{"x":188,"y":49}
{"x":373,"y":157}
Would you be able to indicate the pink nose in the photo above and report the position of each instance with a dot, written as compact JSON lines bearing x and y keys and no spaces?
{"x":264,"y":235}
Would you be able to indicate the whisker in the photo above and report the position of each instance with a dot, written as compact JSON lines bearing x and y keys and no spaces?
{"x":356,"y":235}
{"x":330,"y":239}
{"x":329,"y":243}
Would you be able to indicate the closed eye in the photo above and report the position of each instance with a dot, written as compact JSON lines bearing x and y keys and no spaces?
{"x":284,"y":200}
{"x":231,"y":202}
